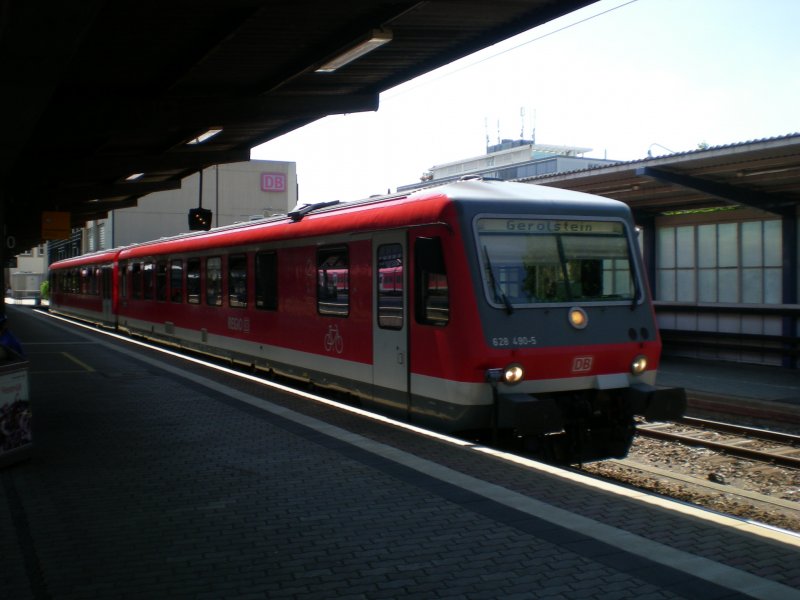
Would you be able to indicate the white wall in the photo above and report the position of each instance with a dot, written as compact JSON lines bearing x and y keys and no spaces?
{"x":233,"y":192}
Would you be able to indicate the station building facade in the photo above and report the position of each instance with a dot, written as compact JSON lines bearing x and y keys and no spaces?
{"x":234,"y":193}
{"x":719,"y":233}
{"x":719,"y":287}
{"x":510,"y":160}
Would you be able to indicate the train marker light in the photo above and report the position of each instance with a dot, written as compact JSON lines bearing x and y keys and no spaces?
{"x":494,"y":375}
{"x":639,"y":365}
{"x":578,"y":318}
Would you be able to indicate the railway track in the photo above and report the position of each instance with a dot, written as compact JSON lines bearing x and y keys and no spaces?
{"x":745,"y":442}
{"x":749,"y":473}
{"x":733,"y":500}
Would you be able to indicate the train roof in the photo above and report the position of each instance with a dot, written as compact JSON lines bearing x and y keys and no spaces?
{"x":479,"y":190}
{"x":423,"y":207}
{"x":93,"y":258}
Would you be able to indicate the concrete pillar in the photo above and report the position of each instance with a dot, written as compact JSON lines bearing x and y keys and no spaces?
{"x":789,"y":222}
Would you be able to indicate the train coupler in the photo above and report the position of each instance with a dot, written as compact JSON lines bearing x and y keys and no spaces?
{"x":529,"y":414}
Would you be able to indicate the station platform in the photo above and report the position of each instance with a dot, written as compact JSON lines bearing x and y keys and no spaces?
{"x":761,"y":393}
{"x":155,"y":477}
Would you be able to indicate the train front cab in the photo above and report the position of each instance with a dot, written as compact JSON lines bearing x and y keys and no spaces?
{"x":569,"y":327}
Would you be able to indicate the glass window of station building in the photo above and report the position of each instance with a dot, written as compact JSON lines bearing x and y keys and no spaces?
{"x":723,"y":262}
{"x":722,"y":274}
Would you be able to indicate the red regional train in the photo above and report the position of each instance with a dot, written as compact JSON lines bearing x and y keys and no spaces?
{"x":478,"y":306}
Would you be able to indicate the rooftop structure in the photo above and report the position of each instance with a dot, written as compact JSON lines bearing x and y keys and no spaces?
{"x":511,"y":159}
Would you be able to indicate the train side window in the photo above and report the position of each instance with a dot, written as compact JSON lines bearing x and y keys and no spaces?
{"x":193,"y":280}
{"x":266,"y":275}
{"x":237,"y":281}
{"x":389,"y":278}
{"x":432,"y":293}
{"x":84,"y":285}
{"x":107,"y":276}
{"x":333,"y":281}
{"x":176,"y":281}
{"x":148,"y":275}
{"x":214,"y":281}
{"x":88,"y":280}
{"x":161,"y":280}
{"x":136,"y":280}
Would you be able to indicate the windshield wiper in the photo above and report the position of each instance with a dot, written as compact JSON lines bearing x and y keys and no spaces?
{"x":637,"y":291}
{"x":498,"y":291}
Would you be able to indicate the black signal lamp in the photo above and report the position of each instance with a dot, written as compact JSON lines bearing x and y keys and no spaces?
{"x":199,"y":219}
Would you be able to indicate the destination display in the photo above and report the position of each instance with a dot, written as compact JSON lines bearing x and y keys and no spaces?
{"x":541,"y":226}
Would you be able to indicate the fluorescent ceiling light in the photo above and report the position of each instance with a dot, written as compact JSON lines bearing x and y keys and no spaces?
{"x":774,"y":171}
{"x":134,"y":176}
{"x":203,"y":137}
{"x":377,"y":38}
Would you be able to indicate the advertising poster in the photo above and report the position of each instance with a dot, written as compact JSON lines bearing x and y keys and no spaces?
{"x":15,"y":413}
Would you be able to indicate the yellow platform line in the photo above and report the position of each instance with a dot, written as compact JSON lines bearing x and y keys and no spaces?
{"x":78,"y":362}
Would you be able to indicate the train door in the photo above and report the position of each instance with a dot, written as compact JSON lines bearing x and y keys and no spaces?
{"x":390,"y":327}
{"x":106,"y":283}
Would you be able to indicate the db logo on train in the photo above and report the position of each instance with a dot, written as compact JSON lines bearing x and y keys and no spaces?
{"x":581,"y":364}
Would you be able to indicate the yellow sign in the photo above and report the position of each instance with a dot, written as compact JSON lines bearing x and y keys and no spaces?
{"x":55,"y":225}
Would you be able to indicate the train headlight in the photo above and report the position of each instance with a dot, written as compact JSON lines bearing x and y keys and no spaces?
{"x":578,"y":317}
{"x":513,"y":373}
{"x":639,"y":365}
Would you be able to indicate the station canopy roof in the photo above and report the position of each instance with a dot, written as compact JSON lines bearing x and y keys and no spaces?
{"x":762,"y":174}
{"x":99,"y":91}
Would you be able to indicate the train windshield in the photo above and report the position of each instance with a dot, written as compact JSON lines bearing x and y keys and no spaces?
{"x":529,"y":261}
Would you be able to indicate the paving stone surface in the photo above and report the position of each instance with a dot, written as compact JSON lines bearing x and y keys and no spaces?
{"x":145,"y":484}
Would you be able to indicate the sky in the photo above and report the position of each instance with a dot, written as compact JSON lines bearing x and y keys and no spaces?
{"x":622,"y":77}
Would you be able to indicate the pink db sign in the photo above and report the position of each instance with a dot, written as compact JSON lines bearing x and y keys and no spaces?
{"x":273,"y":182}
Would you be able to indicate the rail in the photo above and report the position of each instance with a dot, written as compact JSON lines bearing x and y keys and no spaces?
{"x":739,"y":441}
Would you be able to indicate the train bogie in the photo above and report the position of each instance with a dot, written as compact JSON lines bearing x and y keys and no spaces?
{"x":477,"y":307}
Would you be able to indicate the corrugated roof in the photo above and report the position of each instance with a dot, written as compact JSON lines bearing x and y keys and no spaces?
{"x":763,"y":174}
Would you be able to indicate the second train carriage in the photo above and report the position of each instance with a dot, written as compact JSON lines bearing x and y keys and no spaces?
{"x":470,"y":307}
{"x":85,"y":287}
